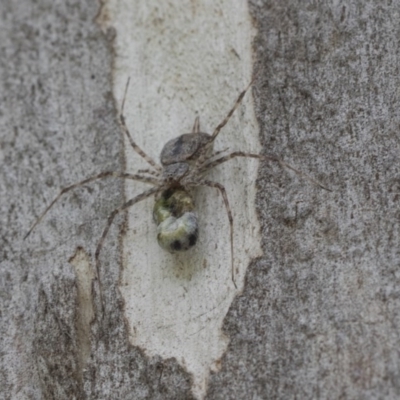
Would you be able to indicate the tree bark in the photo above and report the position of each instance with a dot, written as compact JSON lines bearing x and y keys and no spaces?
{"x":318,"y":314}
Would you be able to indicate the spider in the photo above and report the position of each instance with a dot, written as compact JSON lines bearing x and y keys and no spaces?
{"x":184,"y":161}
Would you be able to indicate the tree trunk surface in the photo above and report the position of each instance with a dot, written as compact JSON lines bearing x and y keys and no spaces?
{"x":318,"y":313}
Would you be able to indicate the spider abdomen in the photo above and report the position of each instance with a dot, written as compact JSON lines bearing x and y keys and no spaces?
{"x":174,"y":213}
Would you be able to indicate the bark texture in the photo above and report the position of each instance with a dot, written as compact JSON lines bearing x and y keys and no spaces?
{"x":59,"y":126}
{"x":319,"y":315}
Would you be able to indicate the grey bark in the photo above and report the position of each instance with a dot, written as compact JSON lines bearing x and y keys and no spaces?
{"x":318,"y":317}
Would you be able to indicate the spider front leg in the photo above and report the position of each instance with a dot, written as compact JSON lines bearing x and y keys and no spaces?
{"x":110,"y":220}
{"x":135,"y":147}
{"x":222,"y":190}
{"x":230,"y":113}
{"x":204,"y":155}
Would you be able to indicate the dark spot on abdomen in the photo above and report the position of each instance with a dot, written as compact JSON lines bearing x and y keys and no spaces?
{"x":176,"y":245}
{"x":192,"y":240}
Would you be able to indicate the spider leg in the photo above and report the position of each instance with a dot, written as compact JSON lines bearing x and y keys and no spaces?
{"x":204,"y":157}
{"x":110,"y":220}
{"x":148,"y":171}
{"x":217,"y":153}
{"x":301,"y":173}
{"x":222,"y":190}
{"x":211,"y":164}
{"x":105,"y":174}
{"x":135,"y":147}
{"x":227,"y":118}
{"x":228,"y":157}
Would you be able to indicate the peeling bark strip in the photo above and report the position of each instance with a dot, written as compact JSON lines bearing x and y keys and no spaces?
{"x":186,"y":59}
{"x":85,"y":276}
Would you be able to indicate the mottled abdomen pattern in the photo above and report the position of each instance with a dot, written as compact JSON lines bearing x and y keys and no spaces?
{"x":175,"y":216}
